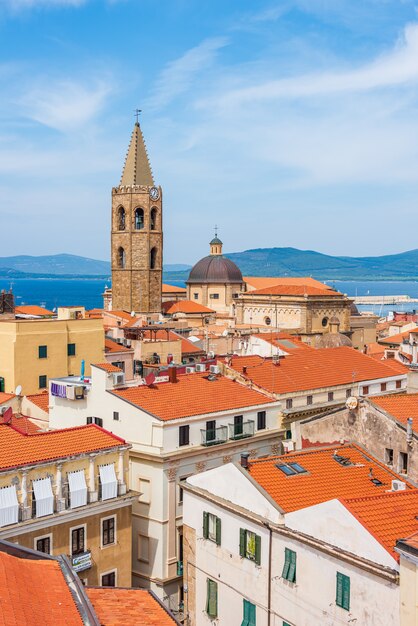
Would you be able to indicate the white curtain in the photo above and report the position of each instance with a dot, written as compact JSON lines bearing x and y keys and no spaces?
{"x":78,"y":489}
{"x":108,"y":481}
{"x":44,"y":497}
{"x":9,"y":506}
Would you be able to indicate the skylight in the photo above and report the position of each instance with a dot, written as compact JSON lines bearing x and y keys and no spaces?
{"x":342,"y":460}
{"x":291,"y":469}
{"x":298,"y":468}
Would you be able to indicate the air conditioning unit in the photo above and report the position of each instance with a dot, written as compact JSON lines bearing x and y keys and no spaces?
{"x":200,"y":367}
{"x":190,"y":370}
{"x":214,"y":369}
{"x":119,"y":379}
{"x":398,"y":485}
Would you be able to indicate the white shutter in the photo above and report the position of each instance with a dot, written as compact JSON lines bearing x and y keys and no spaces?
{"x":44,"y":497}
{"x":108,"y":481}
{"x":78,"y":489}
{"x":9,"y":506}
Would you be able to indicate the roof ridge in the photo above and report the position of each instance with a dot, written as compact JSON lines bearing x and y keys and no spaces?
{"x":388,"y":494}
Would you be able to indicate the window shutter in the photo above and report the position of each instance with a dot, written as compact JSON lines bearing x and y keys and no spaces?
{"x":251,"y":614}
{"x":218,"y":531}
{"x":286,"y":565}
{"x":346,"y":593}
{"x":212,"y":598}
{"x":339,"y":589}
{"x":242,"y":542}
{"x":246,"y":617}
{"x":205,"y":524}
{"x":258,"y":549}
{"x":292,"y":569}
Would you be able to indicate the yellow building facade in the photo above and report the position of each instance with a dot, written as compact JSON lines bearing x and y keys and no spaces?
{"x":33,"y":351}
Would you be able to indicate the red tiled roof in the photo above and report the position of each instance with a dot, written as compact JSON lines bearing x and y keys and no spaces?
{"x":314,"y":369}
{"x":276,"y":339}
{"x":193,"y":394}
{"x":32,"y":309}
{"x":172,"y":289}
{"x":6,"y":397}
{"x":122,"y":314}
{"x":128,"y":607}
{"x":263,"y":282}
{"x":412,"y":541}
{"x":325,"y":479}
{"x":184,"y":306}
{"x":18,"y":449}
{"x":187,"y":347}
{"x":41,"y":400}
{"x":400,"y":406}
{"x":387,"y":516}
{"x":398,"y":338}
{"x":108,"y":367}
{"x":113,"y":346}
{"x":23,"y":424}
{"x":35,"y":592}
{"x":295,"y":290}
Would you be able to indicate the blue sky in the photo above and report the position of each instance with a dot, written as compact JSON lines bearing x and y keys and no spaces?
{"x":291,"y":123}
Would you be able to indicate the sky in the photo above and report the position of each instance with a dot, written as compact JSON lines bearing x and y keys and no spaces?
{"x":288,"y":124}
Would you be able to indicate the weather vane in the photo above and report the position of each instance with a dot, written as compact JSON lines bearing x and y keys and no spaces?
{"x":216,"y":230}
{"x":137,"y":112}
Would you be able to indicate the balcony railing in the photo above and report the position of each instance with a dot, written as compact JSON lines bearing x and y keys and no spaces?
{"x":241,"y":431}
{"x":214,"y":436}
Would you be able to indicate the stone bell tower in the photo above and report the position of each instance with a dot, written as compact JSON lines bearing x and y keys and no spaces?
{"x":137,"y":235}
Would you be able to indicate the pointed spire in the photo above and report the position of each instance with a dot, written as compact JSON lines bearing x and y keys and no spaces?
{"x":137,"y":169}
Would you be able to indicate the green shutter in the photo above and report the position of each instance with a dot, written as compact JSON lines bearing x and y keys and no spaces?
{"x":286,"y":624}
{"x":205,"y":524}
{"x":292,"y":569}
{"x":249,"y":614}
{"x":339,"y":598}
{"x":218,"y":531}
{"x":346,"y":593}
{"x":212,"y":598}
{"x":245,"y":621}
{"x":286,"y":566}
{"x":258,"y":549}
{"x":242,"y":534}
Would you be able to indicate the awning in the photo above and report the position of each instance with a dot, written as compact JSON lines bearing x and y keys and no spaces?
{"x":78,"y":489}
{"x":108,"y":481}
{"x":9,"y":506}
{"x":44,"y":498}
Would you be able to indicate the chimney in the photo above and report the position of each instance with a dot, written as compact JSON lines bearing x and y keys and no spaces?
{"x":172,"y":374}
{"x":244,"y":369}
{"x":409,"y":430}
{"x":244,"y":460}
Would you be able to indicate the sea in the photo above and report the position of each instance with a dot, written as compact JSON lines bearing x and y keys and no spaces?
{"x":54,"y":292}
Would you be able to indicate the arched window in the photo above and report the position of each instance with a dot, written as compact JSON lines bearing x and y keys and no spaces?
{"x":139,"y":219}
{"x":121,"y":218}
{"x":153,"y":258}
{"x":121,"y":257}
{"x":153,"y":219}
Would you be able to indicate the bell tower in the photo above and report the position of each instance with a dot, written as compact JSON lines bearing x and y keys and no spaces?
{"x":137,"y":235}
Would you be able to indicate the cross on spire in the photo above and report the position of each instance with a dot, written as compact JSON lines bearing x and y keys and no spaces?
{"x":137,"y":113}
{"x":216,"y":230}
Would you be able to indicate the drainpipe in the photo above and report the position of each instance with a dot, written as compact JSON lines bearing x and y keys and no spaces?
{"x":266,"y":524}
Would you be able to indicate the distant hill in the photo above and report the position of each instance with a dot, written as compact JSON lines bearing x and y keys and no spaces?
{"x":55,"y":264}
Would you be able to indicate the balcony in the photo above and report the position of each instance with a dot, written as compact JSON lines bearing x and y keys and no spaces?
{"x":214,"y":436}
{"x":241,"y":431}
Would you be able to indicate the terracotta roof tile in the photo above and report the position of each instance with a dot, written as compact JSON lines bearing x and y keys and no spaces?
{"x":172,"y":289}
{"x":325,"y":479}
{"x":184,"y":306}
{"x":291,"y":342}
{"x":193,"y":394}
{"x":41,"y":400}
{"x":295,"y":290}
{"x":108,"y":367}
{"x":122,"y":314}
{"x":19,"y":449}
{"x":113,"y":346}
{"x":400,"y":406}
{"x":6,"y":397}
{"x":263,"y":282}
{"x":187,"y":347}
{"x":23,"y":424}
{"x":388,"y":517}
{"x":398,"y":338}
{"x":32,"y":309}
{"x":26,"y":602}
{"x":128,"y":607}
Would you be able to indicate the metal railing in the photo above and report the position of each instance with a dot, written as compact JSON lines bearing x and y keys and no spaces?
{"x":241,"y":431}
{"x":214,"y":436}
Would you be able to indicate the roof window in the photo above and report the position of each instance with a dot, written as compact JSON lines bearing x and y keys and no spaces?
{"x":298,"y":468}
{"x":342,"y":460}
{"x":291,"y":469}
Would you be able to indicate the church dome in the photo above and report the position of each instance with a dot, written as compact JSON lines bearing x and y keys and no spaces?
{"x":333,"y":340}
{"x":215,"y":269}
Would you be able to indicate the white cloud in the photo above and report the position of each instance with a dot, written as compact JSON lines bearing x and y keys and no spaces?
{"x":178,"y":76}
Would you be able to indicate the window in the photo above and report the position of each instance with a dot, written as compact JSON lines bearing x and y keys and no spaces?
{"x":382,"y":386}
{"x":389,"y":456}
{"x":403,"y":462}
{"x":250,"y":545}
{"x":267,"y":321}
{"x":238,"y":425}
{"x":153,"y":258}
{"x":324,"y":321}
{"x":330,"y":396}
{"x":212,"y":528}
{"x":121,"y":260}
{"x":343,"y":591}
{"x":42,"y":352}
{"x":121,"y":218}
{"x":289,"y":567}
{"x":116,"y":416}
{"x":196,"y":296}
{"x":398,"y":384}
{"x":249,"y":614}
{"x":184,"y":435}
{"x":153,"y":219}
{"x":139,"y":219}
{"x":309,"y":399}
{"x":109,"y":579}
{"x":77,"y":540}
{"x":143,"y":548}
{"x":289,"y":403}
{"x":348,"y":393}
{"x":212,"y":598}
{"x":210,"y":430}
{"x":95,"y":420}
{"x":108,"y":531}
{"x":261,"y":420}
{"x":365,"y":390}
{"x":214,"y":296}
{"x":43,"y":544}
{"x":70,"y":349}
{"x":43,"y":382}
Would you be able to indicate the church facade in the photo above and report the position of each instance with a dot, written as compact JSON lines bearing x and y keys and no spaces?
{"x":137,"y":234}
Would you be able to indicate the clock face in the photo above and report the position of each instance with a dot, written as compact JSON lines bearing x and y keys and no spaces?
{"x":154,"y":193}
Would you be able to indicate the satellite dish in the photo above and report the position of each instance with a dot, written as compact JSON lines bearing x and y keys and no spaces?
{"x":150,"y":379}
{"x":351,"y":403}
{"x":18,"y":390}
